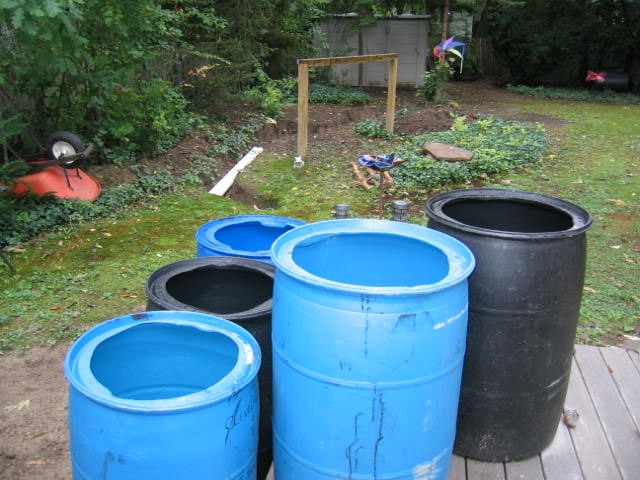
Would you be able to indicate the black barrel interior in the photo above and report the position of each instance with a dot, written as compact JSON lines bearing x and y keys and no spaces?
{"x":217,"y":290}
{"x":508,"y":215}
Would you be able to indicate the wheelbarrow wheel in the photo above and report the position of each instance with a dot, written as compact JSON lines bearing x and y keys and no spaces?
{"x":65,"y":144}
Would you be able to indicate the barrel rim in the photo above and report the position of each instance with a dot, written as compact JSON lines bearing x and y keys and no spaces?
{"x":461,"y":260}
{"x":580,"y":218}
{"x":77,"y":364}
{"x":205,"y":235}
{"x":155,"y":290}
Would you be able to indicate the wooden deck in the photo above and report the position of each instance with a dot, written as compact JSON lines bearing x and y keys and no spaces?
{"x":604,"y":445}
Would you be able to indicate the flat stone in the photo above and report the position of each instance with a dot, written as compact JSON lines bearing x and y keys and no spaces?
{"x":448,"y":153}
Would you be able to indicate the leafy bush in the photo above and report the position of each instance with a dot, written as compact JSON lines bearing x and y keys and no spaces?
{"x":575,"y":94}
{"x":371,"y":128}
{"x":85,"y":67}
{"x":148,"y":119}
{"x":22,"y":218}
{"x":428,"y":88}
{"x":539,"y":37}
{"x":274,"y":96}
{"x":335,"y":94}
{"x":497,"y":145}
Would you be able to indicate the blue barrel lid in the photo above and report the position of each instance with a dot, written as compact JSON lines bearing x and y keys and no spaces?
{"x":206,"y":234}
{"x":461,"y":261}
{"x":77,"y":365}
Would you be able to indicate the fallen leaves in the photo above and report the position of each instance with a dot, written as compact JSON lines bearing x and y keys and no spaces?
{"x":590,"y":290}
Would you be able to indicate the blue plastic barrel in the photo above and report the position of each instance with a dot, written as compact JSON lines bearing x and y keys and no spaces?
{"x":164,"y":395}
{"x":248,"y":236}
{"x":368,"y":335}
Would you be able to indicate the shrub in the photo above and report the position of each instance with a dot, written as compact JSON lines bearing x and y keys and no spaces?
{"x":337,"y":94}
{"x":575,"y":94}
{"x":497,"y":146}
{"x":274,"y":96}
{"x":371,"y":128}
{"x":22,"y":218}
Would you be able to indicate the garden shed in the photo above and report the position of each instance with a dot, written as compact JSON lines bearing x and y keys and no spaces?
{"x":406,"y":35}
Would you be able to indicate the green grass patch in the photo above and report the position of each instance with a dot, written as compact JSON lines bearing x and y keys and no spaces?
{"x":307,"y":193}
{"x":70,"y":280}
{"x":576,"y":94}
{"x":86,"y":273}
{"x":594,"y":163}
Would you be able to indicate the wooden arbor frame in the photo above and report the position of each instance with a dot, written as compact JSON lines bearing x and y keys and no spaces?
{"x":303,"y":89}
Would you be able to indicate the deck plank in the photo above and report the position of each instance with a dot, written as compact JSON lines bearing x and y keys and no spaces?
{"x":559,"y":460}
{"x":595,"y":456}
{"x":617,"y":423}
{"x":604,"y":388}
{"x":529,"y":469}
{"x":626,"y":377}
{"x":477,"y":470}
{"x":635,"y":358}
{"x":458,"y":469}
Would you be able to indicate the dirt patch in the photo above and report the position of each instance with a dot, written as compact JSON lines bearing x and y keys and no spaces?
{"x":33,"y":391}
{"x":33,"y":399}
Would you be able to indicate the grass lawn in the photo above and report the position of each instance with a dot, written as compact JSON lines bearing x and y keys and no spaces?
{"x":69,"y":280}
{"x":595,"y":164}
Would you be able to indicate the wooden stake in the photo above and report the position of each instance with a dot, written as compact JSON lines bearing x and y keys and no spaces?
{"x":391,"y":93}
{"x":359,"y":178}
{"x":303,"y":108}
{"x":303,"y":89}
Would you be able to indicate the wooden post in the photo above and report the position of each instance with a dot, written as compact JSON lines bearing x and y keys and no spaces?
{"x":303,"y":108}
{"x":303,"y":89}
{"x":391,"y":93}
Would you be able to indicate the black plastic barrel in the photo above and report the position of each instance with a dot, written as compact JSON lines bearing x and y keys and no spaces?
{"x":236,"y":289}
{"x":524,"y":302}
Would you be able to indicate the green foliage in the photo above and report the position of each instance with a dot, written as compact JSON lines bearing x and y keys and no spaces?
{"x":371,"y":128}
{"x":11,"y":170}
{"x":274,"y":96}
{"x":233,"y":141}
{"x":24,"y":217}
{"x":84,"y":66}
{"x":537,"y":37}
{"x":497,"y":145}
{"x":575,"y":94}
{"x":148,"y":119}
{"x":337,"y":94}
{"x":428,"y":88}
{"x":435,"y":82}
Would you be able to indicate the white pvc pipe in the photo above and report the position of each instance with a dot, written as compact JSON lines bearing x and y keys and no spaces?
{"x":224,"y":184}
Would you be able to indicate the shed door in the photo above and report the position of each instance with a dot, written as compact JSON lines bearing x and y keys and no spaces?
{"x":408,"y":38}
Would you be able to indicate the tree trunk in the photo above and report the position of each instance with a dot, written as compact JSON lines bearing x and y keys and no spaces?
{"x":445,"y":20}
{"x":442,"y":70}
